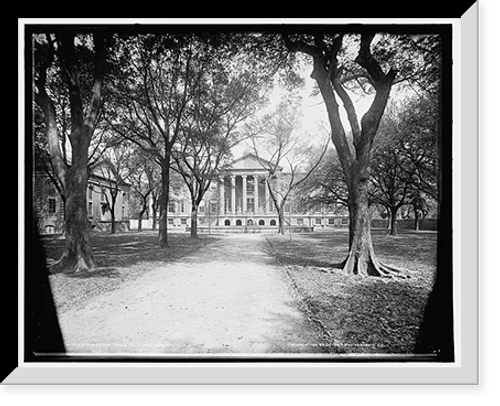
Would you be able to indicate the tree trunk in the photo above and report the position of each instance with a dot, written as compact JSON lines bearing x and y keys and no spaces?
{"x":78,"y":255}
{"x":155,"y":211}
{"x":417,"y":218}
{"x":113,"y":221}
{"x":394,"y":223}
{"x":281,"y":220}
{"x":194,"y":220}
{"x":361,"y":259}
{"x":141,"y":214}
{"x":164,"y":198}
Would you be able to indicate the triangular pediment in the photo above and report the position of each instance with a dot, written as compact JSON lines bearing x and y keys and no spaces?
{"x":249,"y":161}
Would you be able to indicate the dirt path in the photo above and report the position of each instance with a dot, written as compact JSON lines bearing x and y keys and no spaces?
{"x":226,"y":298}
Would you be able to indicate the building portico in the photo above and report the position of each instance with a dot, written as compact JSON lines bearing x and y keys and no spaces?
{"x":245,"y":193}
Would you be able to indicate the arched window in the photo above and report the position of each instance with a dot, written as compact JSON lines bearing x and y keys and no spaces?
{"x":250,"y":223}
{"x":273,"y":222}
{"x":262,"y":223}
{"x":50,"y":229}
{"x":238,"y":222}
{"x":227,"y":222}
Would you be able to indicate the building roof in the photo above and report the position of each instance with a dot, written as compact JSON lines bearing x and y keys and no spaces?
{"x":250,"y":162}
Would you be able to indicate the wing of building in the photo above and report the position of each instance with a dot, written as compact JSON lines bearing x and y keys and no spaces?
{"x":104,"y":192}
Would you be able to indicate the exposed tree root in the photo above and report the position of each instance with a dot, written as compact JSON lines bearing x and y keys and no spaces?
{"x":369,"y":265}
{"x":72,"y":263}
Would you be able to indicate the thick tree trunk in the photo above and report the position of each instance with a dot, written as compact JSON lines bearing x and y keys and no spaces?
{"x":164,"y":198}
{"x":194,"y":220}
{"x":78,"y":255}
{"x":361,"y":259}
{"x":394,"y":223}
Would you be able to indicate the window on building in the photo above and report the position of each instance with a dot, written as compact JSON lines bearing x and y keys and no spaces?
{"x":50,"y":229}
{"x":317,"y":221}
{"x":273,"y":222}
{"x":183,"y":208}
{"x":227,"y":222}
{"x":90,"y":210}
{"x":201,"y":209}
{"x":262,"y":223}
{"x":170,"y":222}
{"x":331,"y":221}
{"x":300,"y":221}
{"x":90,"y":193}
{"x":213,"y":207}
{"x":238,"y":222}
{"x":171,"y":207}
{"x":52,"y":205}
{"x":183,"y":222}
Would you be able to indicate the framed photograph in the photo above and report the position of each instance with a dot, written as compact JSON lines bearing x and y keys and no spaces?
{"x":254,"y":201}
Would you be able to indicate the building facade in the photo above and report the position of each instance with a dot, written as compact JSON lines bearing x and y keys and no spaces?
{"x":239,"y":201}
{"x":49,"y":205}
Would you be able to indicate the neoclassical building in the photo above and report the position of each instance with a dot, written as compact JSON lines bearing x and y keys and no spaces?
{"x":239,"y":201}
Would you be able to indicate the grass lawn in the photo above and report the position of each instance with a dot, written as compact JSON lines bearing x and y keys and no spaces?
{"x":119,"y":257}
{"x":363,"y":315}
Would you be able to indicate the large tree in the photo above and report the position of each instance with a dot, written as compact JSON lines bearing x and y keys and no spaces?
{"x":158,"y":79}
{"x":225,"y":98}
{"x":335,"y":68}
{"x":80,"y":60}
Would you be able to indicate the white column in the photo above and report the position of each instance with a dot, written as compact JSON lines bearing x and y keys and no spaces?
{"x":221,"y":195}
{"x":244,"y":203}
{"x":266,"y":196}
{"x":256,"y":194}
{"x":233,"y":194}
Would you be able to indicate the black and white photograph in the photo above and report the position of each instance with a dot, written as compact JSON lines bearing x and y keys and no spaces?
{"x":265,"y":192}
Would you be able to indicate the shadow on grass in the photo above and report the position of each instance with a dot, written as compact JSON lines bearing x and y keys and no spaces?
{"x":97,"y":273}
{"x":114,"y":251}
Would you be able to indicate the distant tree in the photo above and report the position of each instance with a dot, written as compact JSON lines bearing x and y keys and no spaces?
{"x":290,"y":159}
{"x":115,"y":170}
{"x":390,"y":171}
{"x":325,"y":186}
{"x":224,"y":99}
{"x":144,"y":179}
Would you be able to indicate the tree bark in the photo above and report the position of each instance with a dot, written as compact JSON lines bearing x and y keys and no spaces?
{"x":164,"y":199}
{"x":113,"y":221}
{"x":194,"y":220}
{"x":281,"y":220}
{"x":78,"y":255}
{"x":361,"y":259}
{"x":394,"y":223}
